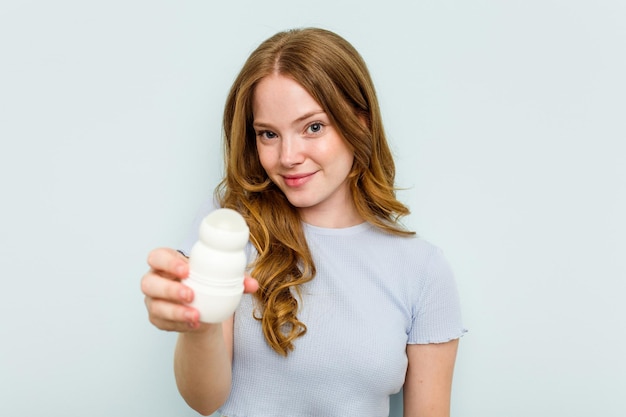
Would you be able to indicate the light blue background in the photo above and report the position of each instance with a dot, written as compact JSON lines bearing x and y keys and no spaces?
{"x":508,"y":122}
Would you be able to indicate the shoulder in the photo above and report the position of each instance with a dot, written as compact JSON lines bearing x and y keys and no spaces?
{"x":368,"y":240}
{"x":414,"y":247}
{"x":416,"y":262}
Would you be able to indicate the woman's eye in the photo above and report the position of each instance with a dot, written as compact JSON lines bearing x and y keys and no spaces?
{"x":315,"y":128}
{"x":267,"y":134}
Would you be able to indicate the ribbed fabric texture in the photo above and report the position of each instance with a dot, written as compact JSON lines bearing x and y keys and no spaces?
{"x":373,"y":294}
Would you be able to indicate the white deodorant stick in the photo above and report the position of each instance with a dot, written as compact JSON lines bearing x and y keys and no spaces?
{"x":217,"y":264}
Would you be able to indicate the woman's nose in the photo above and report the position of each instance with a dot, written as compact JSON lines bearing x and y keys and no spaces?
{"x":291,"y":152}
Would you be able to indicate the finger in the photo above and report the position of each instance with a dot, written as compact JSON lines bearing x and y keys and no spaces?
{"x":156,"y":286}
{"x":168,"y":318}
{"x":250,"y":285}
{"x":174,"y":326}
{"x":169,"y":261}
{"x":164,"y":311}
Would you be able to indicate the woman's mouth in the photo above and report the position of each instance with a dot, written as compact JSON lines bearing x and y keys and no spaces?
{"x":297,"y":180}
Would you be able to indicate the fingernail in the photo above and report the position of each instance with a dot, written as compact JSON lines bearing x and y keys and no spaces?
{"x":192,"y":319}
{"x":185,"y":294}
{"x":180,"y":270}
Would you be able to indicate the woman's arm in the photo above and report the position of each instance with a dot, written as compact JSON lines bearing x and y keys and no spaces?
{"x":203,"y":356}
{"x":428,"y":383}
{"x":202,"y":366}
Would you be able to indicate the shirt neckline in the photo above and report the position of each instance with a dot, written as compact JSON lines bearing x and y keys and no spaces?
{"x":342,"y":231}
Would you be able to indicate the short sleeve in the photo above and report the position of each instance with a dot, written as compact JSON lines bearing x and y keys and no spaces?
{"x":437,"y":312}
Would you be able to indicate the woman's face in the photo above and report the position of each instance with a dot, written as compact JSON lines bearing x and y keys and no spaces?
{"x":302,"y":152}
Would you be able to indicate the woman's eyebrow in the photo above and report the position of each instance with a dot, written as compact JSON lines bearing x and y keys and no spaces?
{"x":264,"y":125}
{"x":308,"y":115}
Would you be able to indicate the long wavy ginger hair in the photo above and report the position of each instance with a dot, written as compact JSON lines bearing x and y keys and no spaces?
{"x":335,"y":75}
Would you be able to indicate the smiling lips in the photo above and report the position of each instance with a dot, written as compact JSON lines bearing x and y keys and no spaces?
{"x":297,"y":180}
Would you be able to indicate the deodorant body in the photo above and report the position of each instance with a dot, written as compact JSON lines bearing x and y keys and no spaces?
{"x":217,"y":264}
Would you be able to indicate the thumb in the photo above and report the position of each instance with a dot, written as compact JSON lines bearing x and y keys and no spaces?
{"x":250,"y":285}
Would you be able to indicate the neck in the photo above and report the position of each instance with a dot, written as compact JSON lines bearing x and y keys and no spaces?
{"x":332,"y":220}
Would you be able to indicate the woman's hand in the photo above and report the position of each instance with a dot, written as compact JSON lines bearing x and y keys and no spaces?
{"x":166,"y":297}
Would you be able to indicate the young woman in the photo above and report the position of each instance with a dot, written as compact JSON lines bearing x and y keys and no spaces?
{"x":346,"y":306}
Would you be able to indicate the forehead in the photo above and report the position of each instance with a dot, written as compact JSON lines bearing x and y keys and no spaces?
{"x":278,"y":96}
